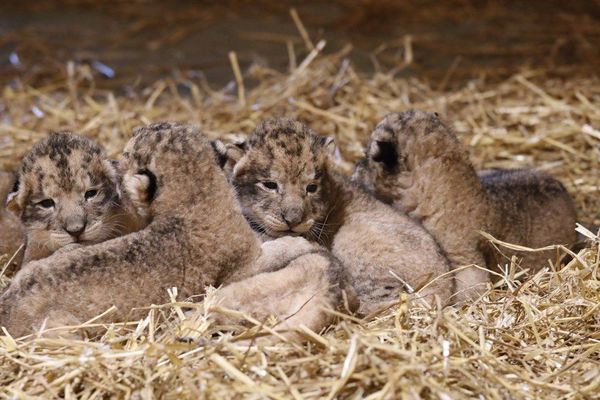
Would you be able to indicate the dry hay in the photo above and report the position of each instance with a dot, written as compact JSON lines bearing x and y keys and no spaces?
{"x":529,"y":337}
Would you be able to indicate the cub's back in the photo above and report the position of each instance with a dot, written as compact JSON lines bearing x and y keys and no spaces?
{"x":536,"y":209}
{"x":387,"y":250}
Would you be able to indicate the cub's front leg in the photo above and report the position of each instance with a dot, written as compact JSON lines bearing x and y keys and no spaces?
{"x":298,"y":294}
{"x":276,"y":254}
{"x":294,"y":281}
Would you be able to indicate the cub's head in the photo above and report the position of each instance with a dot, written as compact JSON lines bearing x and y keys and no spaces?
{"x":280,"y":175}
{"x":168,"y":166}
{"x":398,"y":146}
{"x":66,"y":191}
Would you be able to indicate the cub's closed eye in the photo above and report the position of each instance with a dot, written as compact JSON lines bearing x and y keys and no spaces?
{"x":311,"y":188}
{"x":270,"y":185}
{"x":46,"y":203}
{"x":90,"y":193}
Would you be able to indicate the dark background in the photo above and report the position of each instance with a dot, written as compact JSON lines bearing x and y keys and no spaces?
{"x":452,"y":41}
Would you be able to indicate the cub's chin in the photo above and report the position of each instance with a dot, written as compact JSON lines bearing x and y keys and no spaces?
{"x":284,"y":230}
{"x":278,"y":234}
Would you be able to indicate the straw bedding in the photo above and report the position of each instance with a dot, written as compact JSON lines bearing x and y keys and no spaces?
{"x":531,"y":336}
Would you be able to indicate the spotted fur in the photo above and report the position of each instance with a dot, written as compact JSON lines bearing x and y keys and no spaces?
{"x":66,"y":192}
{"x":415,"y":162}
{"x":381,"y":250}
{"x":287,"y":154}
{"x":196,"y":236}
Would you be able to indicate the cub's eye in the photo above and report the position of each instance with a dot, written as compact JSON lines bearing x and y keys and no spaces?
{"x":270,"y":185}
{"x":46,"y":203}
{"x":90,"y":193}
{"x":311,"y":188}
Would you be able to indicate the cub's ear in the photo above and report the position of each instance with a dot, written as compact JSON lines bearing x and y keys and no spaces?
{"x":15,"y":200}
{"x":141,"y":187}
{"x":328,"y":144}
{"x":228,"y":154}
{"x":111,"y":168}
{"x":140,"y":190}
{"x":383,"y":152}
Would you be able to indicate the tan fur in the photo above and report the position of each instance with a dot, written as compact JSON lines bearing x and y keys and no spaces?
{"x":68,"y":192}
{"x":196,"y":237}
{"x":286,"y":186}
{"x":294,"y":280}
{"x":416,"y":163}
{"x":12,"y":233}
{"x":536,"y":211}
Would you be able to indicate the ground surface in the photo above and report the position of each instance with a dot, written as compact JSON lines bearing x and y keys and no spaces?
{"x":533,"y":337}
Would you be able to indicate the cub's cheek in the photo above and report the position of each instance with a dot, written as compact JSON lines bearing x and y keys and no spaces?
{"x":38,"y":219}
{"x":38,"y":235}
{"x":258,"y":212}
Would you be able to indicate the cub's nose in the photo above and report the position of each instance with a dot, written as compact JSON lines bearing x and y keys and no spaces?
{"x":75,"y":229}
{"x":293,"y":216}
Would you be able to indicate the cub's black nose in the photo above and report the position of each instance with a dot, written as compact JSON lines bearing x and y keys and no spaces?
{"x":75,"y":229}
{"x":293,"y":217}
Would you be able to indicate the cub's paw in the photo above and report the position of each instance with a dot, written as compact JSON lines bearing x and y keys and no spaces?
{"x":68,"y":248}
{"x":289,"y":244}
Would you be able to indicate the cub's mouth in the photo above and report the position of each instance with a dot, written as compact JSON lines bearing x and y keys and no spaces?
{"x":289,"y":232}
{"x":275,"y":227}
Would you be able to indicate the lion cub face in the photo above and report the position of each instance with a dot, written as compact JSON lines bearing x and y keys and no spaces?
{"x":280,"y":178}
{"x":66,"y":192}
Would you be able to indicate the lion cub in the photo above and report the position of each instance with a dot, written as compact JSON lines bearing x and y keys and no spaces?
{"x":415,"y":162}
{"x":287,"y":187}
{"x":196,"y":236}
{"x":67,"y":192}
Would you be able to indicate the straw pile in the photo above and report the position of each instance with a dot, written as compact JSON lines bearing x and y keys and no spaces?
{"x":529,"y":337}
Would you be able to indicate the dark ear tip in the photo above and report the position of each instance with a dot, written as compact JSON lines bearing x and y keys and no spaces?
{"x":217,"y":146}
{"x":386,"y":154}
{"x":16,"y":185}
{"x":152,"y":184}
{"x":326,"y":142}
{"x":220,"y":152}
{"x":241,"y":145}
{"x":381,"y":147}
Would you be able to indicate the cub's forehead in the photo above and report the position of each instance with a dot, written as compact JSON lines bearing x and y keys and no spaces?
{"x":285,"y":148}
{"x":63,"y":160}
{"x":294,"y":171}
{"x":285,"y":137}
{"x":293,"y":159}
{"x":73,"y":173}
{"x":284,"y":133}
{"x":59,"y":149}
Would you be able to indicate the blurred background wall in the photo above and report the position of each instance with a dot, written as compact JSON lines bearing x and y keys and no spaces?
{"x":132,"y":42}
